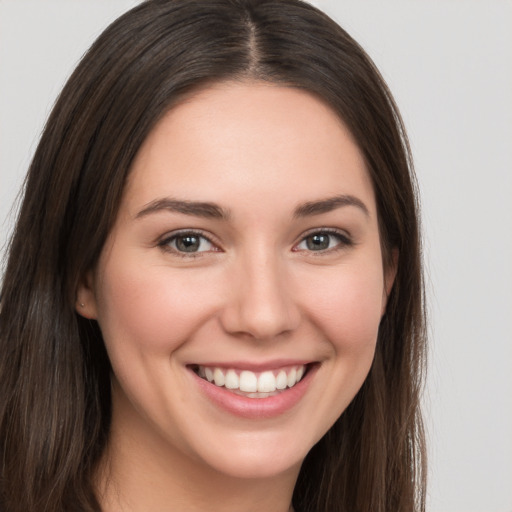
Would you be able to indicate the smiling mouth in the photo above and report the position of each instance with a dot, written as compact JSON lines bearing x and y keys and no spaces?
{"x":253,"y":384}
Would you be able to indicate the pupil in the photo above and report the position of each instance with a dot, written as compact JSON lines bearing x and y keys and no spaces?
{"x":188,"y":243}
{"x":318,"y":242}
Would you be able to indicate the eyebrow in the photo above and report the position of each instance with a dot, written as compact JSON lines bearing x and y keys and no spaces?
{"x":195,"y":208}
{"x":328,"y":205}
{"x":213,"y":211}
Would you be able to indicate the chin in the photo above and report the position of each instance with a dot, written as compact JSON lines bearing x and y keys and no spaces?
{"x":257,"y":455}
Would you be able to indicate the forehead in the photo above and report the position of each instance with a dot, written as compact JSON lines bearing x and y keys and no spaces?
{"x":251,"y":139}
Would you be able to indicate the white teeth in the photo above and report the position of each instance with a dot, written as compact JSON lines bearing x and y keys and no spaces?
{"x":232,"y":380}
{"x":266,"y":382}
{"x":218,"y":377}
{"x":208,"y":373}
{"x":248,"y":381}
{"x":251,"y":384}
{"x":292,"y":377}
{"x":281,"y":380}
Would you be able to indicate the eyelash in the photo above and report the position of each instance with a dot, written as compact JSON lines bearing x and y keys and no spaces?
{"x":343,"y":241}
{"x":165,"y":243}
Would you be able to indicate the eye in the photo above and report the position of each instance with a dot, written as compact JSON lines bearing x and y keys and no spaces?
{"x":187,"y":242}
{"x":323,"y":240}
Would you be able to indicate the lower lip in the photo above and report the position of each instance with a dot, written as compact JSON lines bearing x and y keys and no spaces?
{"x":256,"y":408}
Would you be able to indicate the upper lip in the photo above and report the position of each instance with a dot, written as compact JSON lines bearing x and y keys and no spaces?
{"x":254,"y":366}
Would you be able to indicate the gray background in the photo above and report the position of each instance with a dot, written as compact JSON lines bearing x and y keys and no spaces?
{"x":449,"y":65}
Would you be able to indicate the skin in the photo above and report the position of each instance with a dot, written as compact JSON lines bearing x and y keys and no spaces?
{"x":256,"y":292}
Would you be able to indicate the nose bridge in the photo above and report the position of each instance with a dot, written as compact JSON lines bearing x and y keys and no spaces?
{"x":261,"y":304}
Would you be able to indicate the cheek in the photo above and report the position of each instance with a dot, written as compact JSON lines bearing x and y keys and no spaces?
{"x":152,"y":309}
{"x":348,"y":308}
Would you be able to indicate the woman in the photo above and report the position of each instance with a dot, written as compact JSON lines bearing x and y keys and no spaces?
{"x":213,"y":297}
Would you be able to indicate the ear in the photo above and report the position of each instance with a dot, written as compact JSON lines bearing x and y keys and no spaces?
{"x":86,"y":305}
{"x":389,"y":278}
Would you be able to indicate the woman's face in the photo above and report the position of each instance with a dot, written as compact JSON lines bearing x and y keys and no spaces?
{"x":245,"y":253}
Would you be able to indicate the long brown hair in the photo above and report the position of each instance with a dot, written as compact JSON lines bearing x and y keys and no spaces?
{"x":54,"y":371}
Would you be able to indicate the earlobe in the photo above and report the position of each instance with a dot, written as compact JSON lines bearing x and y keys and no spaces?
{"x":389,"y":278}
{"x":85,"y":303}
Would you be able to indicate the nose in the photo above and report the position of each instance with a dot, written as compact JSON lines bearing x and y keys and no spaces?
{"x":261,"y":304}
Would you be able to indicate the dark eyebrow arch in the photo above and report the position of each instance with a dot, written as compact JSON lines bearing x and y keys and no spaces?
{"x":328,"y":205}
{"x":195,"y":208}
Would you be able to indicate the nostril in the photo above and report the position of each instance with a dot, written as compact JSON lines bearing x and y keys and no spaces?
{"x":260,"y":322}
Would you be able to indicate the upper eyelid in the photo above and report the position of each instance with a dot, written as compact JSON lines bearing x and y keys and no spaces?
{"x":186,"y":231}
{"x":325,"y":229}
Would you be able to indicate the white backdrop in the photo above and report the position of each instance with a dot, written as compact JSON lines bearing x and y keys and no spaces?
{"x":449,"y":65}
